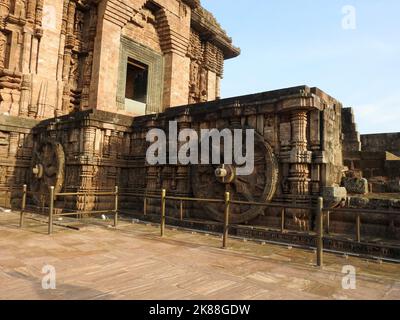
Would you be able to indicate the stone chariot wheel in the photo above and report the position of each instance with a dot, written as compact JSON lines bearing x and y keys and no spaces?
{"x":48,"y":166}
{"x":212,"y":181}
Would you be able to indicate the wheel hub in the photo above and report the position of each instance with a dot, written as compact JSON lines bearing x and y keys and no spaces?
{"x":225,"y":173}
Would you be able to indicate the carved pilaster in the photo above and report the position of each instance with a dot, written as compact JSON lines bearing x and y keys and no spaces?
{"x":299,"y":130}
{"x":39,"y":14}
{"x":4,"y":12}
{"x":89,"y":137}
{"x":25,"y":95}
{"x":300,"y":157}
{"x":31,"y":11}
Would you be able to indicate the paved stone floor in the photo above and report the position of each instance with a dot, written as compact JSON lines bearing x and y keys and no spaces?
{"x":133,"y":262}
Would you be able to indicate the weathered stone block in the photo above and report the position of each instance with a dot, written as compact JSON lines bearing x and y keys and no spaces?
{"x":393,"y":186}
{"x":354,"y":185}
{"x":358,"y":202}
{"x":334,"y":193}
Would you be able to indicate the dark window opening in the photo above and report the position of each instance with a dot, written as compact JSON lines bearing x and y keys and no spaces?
{"x":136,"y":81}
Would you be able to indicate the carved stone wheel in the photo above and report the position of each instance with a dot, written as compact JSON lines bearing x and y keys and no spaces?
{"x":212,"y":181}
{"x":48,"y":166}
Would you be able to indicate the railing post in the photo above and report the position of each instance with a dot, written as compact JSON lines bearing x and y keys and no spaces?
{"x":328,"y":222}
{"x":181,"y":210}
{"x":320,"y":232}
{"x":163,"y":201}
{"x":358,"y":228}
{"x":23,"y":205}
{"x":283,"y":220}
{"x":51,"y":209}
{"x":145,"y":206}
{"x":84,"y":204}
{"x":116,"y":207}
{"x":226,"y":220}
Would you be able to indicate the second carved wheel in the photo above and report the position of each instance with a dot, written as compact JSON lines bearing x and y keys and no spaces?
{"x":259,"y":186}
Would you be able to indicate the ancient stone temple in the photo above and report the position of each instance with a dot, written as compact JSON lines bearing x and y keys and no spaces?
{"x":83,"y":81}
{"x":129,"y":57}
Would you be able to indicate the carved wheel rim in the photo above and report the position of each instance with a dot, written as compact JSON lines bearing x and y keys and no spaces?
{"x":48,"y":166}
{"x":260,"y":186}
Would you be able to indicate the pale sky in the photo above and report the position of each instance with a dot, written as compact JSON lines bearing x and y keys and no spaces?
{"x":287,"y":43}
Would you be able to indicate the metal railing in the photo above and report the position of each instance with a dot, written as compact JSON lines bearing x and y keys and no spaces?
{"x":321,"y":212}
{"x":357,"y":213}
{"x":51,"y":208}
{"x":227,"y":201}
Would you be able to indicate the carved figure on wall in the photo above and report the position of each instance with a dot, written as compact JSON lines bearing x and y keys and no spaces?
{"x":203,"y":85}
{"x":194,"y":76}
{"x":3,"y":49}
{"x":87,"y":70}
{"x":74,"y":72}
{"x":79,"y":23}
{"x":20,"y":9}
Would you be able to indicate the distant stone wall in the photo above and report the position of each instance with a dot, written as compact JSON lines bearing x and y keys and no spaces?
{"x":381,"y":142}
{"x":371,"y":164}
{"x":351,"y":137}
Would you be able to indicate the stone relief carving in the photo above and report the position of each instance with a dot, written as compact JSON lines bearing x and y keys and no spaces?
{"x":260,"y":186}
{"x":80,"y":20}
{"x":3,"y":49}
{"x":20,"y":9}
{"x":48,"y":166}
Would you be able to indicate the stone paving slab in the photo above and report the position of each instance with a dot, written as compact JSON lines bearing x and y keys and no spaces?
{"x":133,"y":262}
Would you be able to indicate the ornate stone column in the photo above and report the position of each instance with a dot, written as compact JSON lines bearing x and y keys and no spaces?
{"x":4,"y":12}
{"x":31,"y":11}
{"x":25,"y":95}
{"x":300,"y":157}
{"x":315,"y":146}
{"x":69,"y":45}
{"x":182,"y":177}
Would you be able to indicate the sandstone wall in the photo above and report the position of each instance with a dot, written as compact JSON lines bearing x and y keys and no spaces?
{"x":58,"y":57}
{"x":351,"y":136}
{"x":297,"y":150}
{"x":381,"y":143}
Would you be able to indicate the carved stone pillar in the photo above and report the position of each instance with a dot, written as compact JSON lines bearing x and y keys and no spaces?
{"x":152,"y":177}
{"x":315,"y":146}
{"x":69,"y":44}
{"x":4,"y":12}
{"x":89,"y":137}
{"x":182,"y":175}
{"x":39,"y":13}
{"x":31,"y":11}
{"x":300,"y":157}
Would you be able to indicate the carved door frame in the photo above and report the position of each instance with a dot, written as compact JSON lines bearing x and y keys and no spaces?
{"x":155,"y":62}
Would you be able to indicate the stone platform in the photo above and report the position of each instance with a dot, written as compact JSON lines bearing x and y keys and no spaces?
{"x":133,"y":262}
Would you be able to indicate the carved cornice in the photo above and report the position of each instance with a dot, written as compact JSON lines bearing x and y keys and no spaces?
{"x":192,"y":3}
{"x":209,"y":29}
